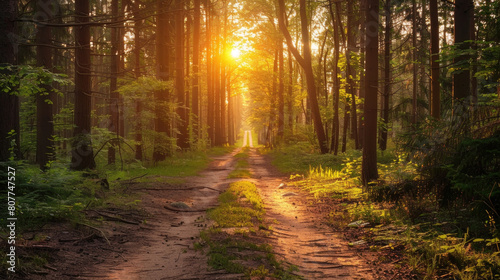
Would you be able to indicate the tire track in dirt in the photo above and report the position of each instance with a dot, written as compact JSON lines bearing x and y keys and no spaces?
{"x":299,"y":236}
{"x":166,"y":249}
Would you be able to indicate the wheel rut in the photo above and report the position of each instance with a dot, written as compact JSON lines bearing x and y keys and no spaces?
{"x":298,"y":235}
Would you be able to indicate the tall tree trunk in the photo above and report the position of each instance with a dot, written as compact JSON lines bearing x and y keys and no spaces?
{"x":463,"y":16}
{"x":369,"y":166}
{"x":44,"y":100}
{"x":290,"y":92}
{"x":435,"y":85}
{"x":351,"y":72}
{"x":210,"y":86}
{"x":183,"y":136}
{"x":414,"y":58}
{"x":334,"y":148}
{"x":9,"y":112}
{"x":82,"y":153}
{"x":281,"y":92}
{"x":196,"y":70}
{"x":114,"y":123}
{"x":387,"y":76}
{"x":306,"y":63}
{"x":137,"y":72}
{"x":361,"y":95}
{"x":162,"y":148}
{"x":217,"y":89}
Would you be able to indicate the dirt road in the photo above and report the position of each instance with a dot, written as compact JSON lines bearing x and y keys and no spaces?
{"x":298,"y":235}
{"x":161,"y":245}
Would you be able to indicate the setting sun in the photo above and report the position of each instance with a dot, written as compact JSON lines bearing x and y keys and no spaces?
{"x":235,"y":53}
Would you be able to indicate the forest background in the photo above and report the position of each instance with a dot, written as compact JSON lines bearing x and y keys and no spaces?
{"x":399,"y":98}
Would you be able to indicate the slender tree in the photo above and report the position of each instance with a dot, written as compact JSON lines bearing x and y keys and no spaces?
{"x":9,"y":112}
{"x":369,"y":166}
{"x":183,"y":137}
{"x":461,"y":79}
{"x":435,"y":85}
{"x":162,"y":148}
{"x":45,"y":99}
{"x":82,"y":153}
{"x":387,"y":76}
{"x":196,"y":69}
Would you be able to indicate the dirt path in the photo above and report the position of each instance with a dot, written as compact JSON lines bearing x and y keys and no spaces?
{"x":165,"y":251}
{"x":299,"y":235}
{"x":162,"y":247}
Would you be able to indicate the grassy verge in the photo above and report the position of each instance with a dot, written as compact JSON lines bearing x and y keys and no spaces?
{"x":232,"y":242}
{"x":403,"y":220}
{"x":241,"y":168}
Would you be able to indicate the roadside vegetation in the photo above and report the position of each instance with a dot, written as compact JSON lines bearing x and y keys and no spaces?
{"x":235,"y":241}
{"x":434,"y":215}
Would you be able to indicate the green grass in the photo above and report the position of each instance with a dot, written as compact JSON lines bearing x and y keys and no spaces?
{"x":236,"y":252}
{"x":241,"y":167}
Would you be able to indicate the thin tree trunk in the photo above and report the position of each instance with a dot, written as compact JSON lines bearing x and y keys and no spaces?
{"x":281,"y":92}
{"x":435,"y":85}
{"x":44,"y":100}
{"x":137,"y":72}
{"x":351,"y":72}
{"x":113,"y":94}
{"x":82,"y":153}
{"x":210,"y":87}
{"x":336,"y":84}
{"x":387,"y":76}
{"x":369,"y":166}
{"x":414,"y":58}
{"x":182,"y":137}
{"x":463,"y":15}
{"x":9,"y":113}
{"x":196,"y":70}
{"x":162,"y":148}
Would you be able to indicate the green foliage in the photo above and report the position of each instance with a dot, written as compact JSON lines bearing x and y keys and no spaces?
{"x":138,"y":95}
{"x":328,"y":182}
{"x":475,"y":169}
{"x":299,"y":157}
{"x":42,"y":197}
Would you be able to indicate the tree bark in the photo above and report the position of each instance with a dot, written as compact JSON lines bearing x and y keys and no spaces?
{"x":351,"y":72}
{"x":336,"y":84}
{"x":414,"y":63}
{"x":44,"y":100}
{"x":137,"y":72}
{"x":435,"y":85}
{"x":162,"y":148}
{"x":183,"y":136}
{"x":369,"y":165}
{"x":196,"y":75}
{"x":82,"y":153}
{"x":463,"y":16}
{"x":114,"y":123}
{"x":387,"y":76}
{"x":9,"y":113}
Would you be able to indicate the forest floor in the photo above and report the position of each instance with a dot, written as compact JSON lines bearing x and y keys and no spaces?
{"x":157,"y":242}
